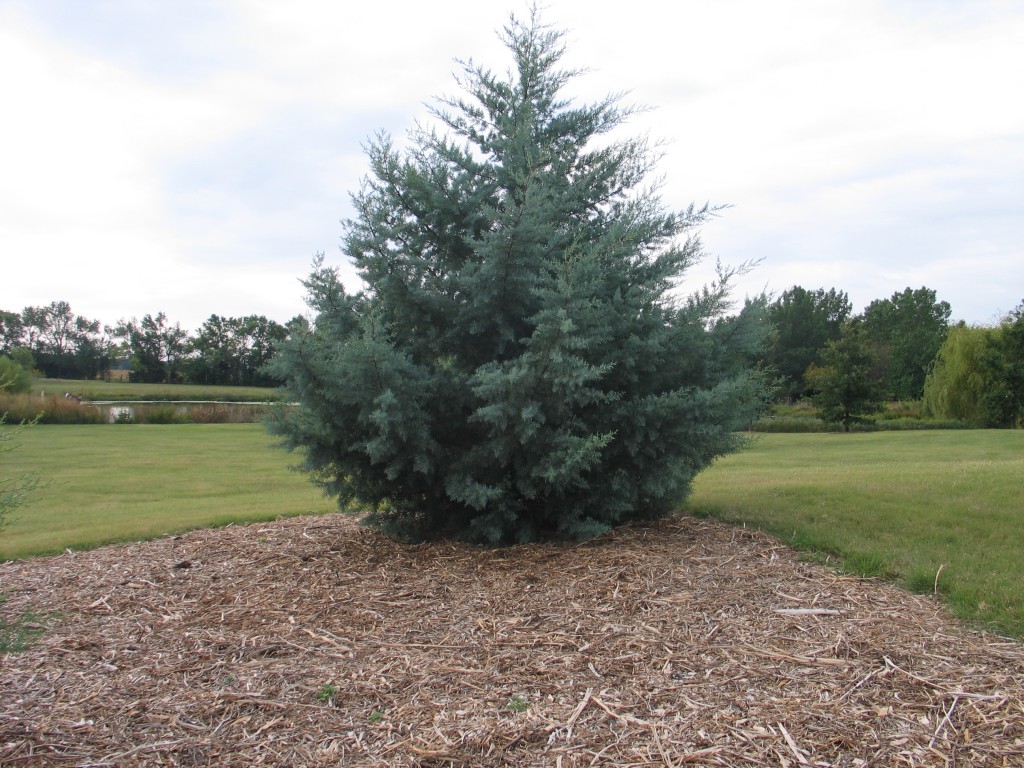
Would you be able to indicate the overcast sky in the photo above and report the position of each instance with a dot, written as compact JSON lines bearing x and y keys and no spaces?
{"x":191,"y":156}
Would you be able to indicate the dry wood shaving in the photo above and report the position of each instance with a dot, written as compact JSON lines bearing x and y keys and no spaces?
{"x":314,"y":642}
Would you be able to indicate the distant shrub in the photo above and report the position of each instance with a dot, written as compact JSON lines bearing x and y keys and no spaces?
{"x":905,"y":409}
{"x":789,"y":424}
{"x":803,"y":407}
{"x":14,"y":378}
{"x":903,"y":415}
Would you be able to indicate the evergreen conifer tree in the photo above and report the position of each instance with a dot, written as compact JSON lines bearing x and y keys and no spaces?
{"x":520,"y":364}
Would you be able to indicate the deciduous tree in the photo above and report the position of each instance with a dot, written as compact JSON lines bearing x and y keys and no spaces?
{"x":957,"y":380}
{"x":1003,"y":400}
{"x":156,"y":347}
{"x":803,"y":322}
{"x":844,"y":388}
{"x":906,"y":331}
{"x":63,"y":344}
{"x":234,"y":350}
{"x":11,"y":331}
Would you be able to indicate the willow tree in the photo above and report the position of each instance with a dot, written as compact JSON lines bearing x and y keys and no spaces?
{"x":522,"y":362}
{"x":957,"y":381}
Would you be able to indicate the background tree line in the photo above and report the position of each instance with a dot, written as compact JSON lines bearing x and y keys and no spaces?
{"x":898,"y":349}
{"x":57,"y":343}
{"x":902,"y":348}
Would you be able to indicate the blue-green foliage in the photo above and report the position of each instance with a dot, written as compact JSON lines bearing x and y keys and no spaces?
{"x":520,"y":364}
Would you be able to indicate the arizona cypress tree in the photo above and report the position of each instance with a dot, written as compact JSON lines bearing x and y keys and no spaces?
{"x":518,"y":365}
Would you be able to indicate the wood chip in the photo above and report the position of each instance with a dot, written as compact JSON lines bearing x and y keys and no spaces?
{"x":315,"y":642}
{"x":807,"y":611}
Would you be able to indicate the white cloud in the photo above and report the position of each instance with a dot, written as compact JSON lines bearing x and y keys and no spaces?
{"x":188,"y":158}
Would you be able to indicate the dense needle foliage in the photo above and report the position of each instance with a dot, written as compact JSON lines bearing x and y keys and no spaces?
{"x":520,"y":364}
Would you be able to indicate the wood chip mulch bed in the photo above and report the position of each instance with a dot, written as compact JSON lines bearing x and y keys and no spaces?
{"x":314,"y":642}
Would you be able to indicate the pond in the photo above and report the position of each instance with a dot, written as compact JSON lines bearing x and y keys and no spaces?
{"x":203,"y":411}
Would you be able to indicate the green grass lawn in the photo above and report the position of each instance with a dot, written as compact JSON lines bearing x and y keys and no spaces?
{"x":122,"y":390}
{"x":121,"y":483}
{"x":901,"y":505}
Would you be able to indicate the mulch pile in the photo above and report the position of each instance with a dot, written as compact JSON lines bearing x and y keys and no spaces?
{"x":314,"y":642}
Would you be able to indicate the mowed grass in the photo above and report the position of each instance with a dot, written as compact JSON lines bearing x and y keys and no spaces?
{"x":907,"y":506}
{"x":123,"y":390}
{"x":112,"y":483}
{"x":924,"y":509}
